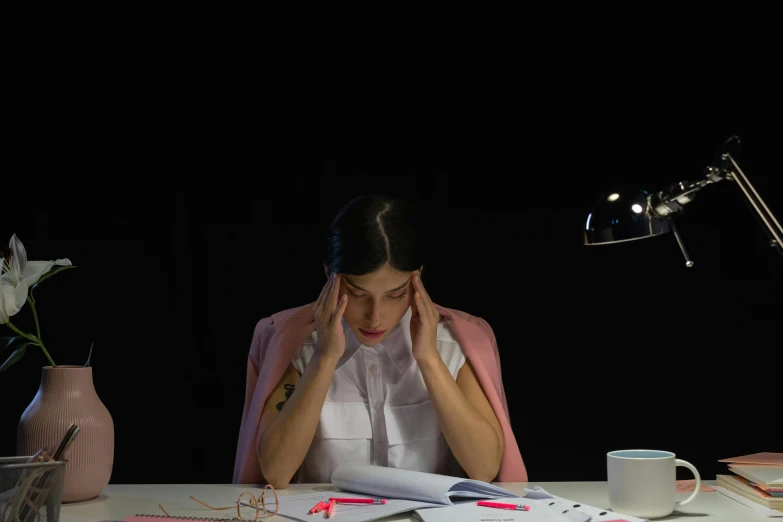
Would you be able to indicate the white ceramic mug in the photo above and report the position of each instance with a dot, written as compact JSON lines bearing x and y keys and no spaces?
{"x":643,"y":483}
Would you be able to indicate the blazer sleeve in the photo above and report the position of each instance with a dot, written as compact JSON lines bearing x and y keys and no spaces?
{"x":245,"y":456}
{"x":493,"y":341}
{"x":512,"y":468}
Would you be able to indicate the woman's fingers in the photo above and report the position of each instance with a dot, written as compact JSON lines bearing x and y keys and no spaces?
{"x":323,"y":288}
{"x":319,"y":305}
{"x":414,"y":305}
{"x":424,"y":303}
{"x":423,"y":314}
{"x":318,"y":301}
{"x":341,"y":305}
{"x":334,"y":292}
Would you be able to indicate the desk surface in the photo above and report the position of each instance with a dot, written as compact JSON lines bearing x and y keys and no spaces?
{"x":120,"y":501}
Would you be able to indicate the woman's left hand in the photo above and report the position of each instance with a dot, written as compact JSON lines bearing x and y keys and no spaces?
{"x":424,"y":322}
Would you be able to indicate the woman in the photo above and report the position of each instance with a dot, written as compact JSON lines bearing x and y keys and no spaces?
{"x":374,"y":372}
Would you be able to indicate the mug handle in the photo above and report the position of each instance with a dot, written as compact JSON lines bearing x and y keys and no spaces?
{"x":690,"y":466}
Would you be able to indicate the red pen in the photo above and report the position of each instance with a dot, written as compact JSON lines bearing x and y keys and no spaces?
{"x":318,"y":507}
{"x":358,"y":500}
{"x":517,"y":507}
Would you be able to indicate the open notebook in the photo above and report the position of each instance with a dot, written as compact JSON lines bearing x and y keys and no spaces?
{"x":418,"y":486}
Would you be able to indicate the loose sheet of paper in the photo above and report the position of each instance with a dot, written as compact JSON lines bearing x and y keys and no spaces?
{"x":544,"y":507}
{"x":576,"y":511}
{"x":687,"y":486}
{"x":297,"y":507}
{"x":470,"y":512}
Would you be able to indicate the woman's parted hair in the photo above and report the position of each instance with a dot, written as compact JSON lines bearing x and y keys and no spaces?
{"x":370,"y":231}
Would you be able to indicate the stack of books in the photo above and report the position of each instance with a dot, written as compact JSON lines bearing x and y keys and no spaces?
{"x":757,"y":477}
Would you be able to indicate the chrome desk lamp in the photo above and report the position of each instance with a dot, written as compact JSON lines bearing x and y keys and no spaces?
{"x":630,"y":214}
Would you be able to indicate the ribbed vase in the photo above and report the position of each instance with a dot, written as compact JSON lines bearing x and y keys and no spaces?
{"x":67,"y":395}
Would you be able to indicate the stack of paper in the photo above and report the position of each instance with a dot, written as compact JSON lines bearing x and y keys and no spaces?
{"x":757,"y":477}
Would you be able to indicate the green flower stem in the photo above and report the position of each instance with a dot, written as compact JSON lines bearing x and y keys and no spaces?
{"x":35,"y":317}
{"x":46,"y":353}
{"x":33,"y":339}
{"x":17,"y":330}
{"x":38,"y":330}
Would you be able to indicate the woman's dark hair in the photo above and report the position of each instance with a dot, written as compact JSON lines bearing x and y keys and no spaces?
{"x":370,"y":231}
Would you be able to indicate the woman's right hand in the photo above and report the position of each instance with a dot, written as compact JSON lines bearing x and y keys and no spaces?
{"x":328,"y":311}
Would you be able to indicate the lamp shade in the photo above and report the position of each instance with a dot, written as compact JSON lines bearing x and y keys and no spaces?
{"x":623,"y":215}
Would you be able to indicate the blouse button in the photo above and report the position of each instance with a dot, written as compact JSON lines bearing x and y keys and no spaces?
{"x":373,"y":368}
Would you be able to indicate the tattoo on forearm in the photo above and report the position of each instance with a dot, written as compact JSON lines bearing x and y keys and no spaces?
{"x":289,"y":390}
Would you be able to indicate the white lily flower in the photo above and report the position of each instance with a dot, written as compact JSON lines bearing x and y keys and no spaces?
{"x":3,"y":313}
{"x":19,"y":276}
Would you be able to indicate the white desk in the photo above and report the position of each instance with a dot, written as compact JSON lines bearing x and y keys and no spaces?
{"x":120,"y":501}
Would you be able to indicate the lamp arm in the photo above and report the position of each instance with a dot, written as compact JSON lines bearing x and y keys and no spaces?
{"x":671,"y":201}
{"x":733,"y":172}
{"x":676,"y":196}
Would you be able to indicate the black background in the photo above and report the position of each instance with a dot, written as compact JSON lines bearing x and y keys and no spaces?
{"x":181,"y":250}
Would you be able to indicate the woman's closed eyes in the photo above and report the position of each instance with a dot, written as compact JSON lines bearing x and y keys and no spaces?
{"x":398,"y":297}
{"x":397,"y":293}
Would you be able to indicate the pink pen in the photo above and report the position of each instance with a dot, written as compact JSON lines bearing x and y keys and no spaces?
{"x":516,"y":507}
{"x":316,"y":508}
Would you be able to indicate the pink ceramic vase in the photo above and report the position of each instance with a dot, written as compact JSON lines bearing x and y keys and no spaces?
{"x":67,"y":395}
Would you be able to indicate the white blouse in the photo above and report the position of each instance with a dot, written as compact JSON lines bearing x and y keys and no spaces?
{"x":378,"y":410}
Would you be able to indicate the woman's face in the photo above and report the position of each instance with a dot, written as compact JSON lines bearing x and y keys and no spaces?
{"x":376,"y":302}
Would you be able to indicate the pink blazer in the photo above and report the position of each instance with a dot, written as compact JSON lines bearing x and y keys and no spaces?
{"x":277,"y":338}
